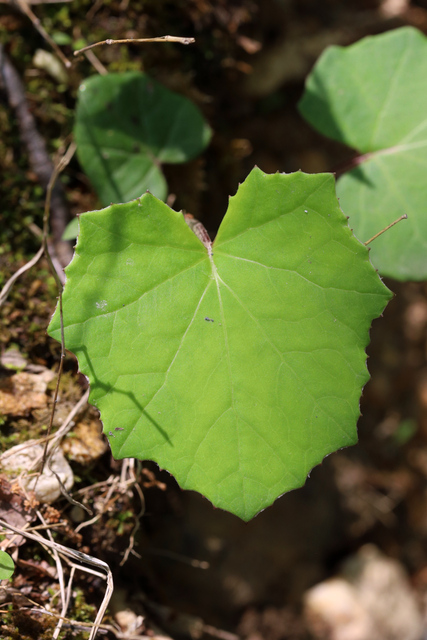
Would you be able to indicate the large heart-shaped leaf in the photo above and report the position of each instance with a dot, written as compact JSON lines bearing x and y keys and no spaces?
{"x":237,"y":367}
{"x":372,"y":96}
{"x":126,"y":126}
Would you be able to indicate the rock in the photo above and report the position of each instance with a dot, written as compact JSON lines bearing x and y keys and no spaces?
{"x":85,"y":443}
{"x":333,"y":612}
{"x":22,"y":392}
{"x":128,"y":621}
{"x":12,"y":359}
{"x":46,"y":487}
{"x":372,"y":599}
{"x":51,"y":64}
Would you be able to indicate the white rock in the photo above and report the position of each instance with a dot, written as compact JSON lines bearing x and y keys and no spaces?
{"x":333,"y":611}
{"x":371,"y":601}
{"x":46,"y":488}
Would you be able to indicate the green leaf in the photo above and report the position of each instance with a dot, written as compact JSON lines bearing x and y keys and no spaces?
{"x":7,"y":566}
{"x":61,"y":38}
{"x":126,"y":126}
{"x":71,"y":231}
{"x":372,"y":96}
{"x":237,"y":368}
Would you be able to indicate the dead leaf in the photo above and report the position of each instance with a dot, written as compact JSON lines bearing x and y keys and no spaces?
{"x":14,"y":509}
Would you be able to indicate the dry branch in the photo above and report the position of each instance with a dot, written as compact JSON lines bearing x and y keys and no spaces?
{"x":136,"y":41}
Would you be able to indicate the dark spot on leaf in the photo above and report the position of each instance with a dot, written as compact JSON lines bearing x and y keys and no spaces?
{"x":136,"y":148}
{"x":209,"y":320}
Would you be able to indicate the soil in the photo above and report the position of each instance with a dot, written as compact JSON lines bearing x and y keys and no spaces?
{"x":191,"y":570}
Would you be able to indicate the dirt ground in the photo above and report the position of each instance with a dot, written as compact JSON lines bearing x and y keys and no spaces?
{"x":358,"y":528}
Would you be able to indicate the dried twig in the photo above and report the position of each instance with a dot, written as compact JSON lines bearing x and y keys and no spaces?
{"x":60,"y":572}
{"x":96,"y":64}
{"x":68,"y":422}
{"x":109,"y":41}
{"x":57,"y":170}
{"x":389,"y":226}
{"x":8,"y":286}
{"x":87,"y":523}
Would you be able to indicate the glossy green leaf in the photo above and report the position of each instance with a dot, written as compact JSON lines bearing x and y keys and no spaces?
{"x":128,"y":125}
{"x":7,"y":566}
{"x":372,"y":96}
{"x":237,"y":368}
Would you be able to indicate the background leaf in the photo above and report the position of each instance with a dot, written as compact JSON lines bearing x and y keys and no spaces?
{"x":372,"y":96}
{"x":126,"y":126}
{"x":7,"y":566}
{"x":71,"y":230}
{"x":237,"y":371}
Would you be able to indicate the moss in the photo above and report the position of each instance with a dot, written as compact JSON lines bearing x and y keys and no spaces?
{"x":82,"y":611}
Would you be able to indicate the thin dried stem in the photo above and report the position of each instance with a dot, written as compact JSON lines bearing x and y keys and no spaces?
{"x":44,"y":248}
{"x":9,"y":284}
{"x":65,"y":605}
{"x":109,"y":41}
{"x":404,"y":217}
{"x":68,"y":422}
{"x":96,"y":63}
{"x":60,"y":572}
{"x":87,"y":523}
{"x":60,"y":166}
